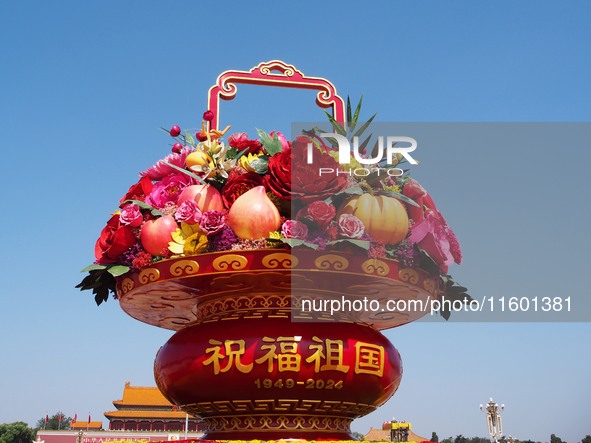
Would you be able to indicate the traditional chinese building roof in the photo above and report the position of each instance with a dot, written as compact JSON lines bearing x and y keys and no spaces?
{"x":134,"y":396}
{"x":143,"y":403}
{"x":384,"y":435}
{"x":165,"y":415}
{"x":93,"y":425}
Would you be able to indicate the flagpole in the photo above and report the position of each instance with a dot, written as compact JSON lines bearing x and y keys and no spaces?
{"x":186,"y":425}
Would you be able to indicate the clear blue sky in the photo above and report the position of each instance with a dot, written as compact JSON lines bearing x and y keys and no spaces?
{"x":84,"y":87}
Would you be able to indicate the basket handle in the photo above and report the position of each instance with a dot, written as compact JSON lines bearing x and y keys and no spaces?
{"x":263,"y":74}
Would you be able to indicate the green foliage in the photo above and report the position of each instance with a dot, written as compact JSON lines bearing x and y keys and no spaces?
{"x":272,"y":145}
{"x":587,"y":439}
{"x":260,"y":164}
{"x":54,"y":422}
{"x":17,"y":432}
{"x":555,"y":439}
{"x":294,"y":242}
{"x":434,"y":437}
{"x":101,"y":280}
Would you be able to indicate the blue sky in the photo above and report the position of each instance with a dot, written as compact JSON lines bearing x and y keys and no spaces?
{"x":84,"y":87}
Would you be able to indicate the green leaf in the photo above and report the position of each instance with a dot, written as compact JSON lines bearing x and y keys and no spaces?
{"x":260,"y":164}
{"x":93,"y":267}
{"x":353,"y":190}
{"x":349,"y":114}
{"x":356,"y":115}
{"x":272,"y":145}
{"x":364,"y":126}
{"x":364,"y":144}
{"x":336,"y":125}
{"x":118,"y":270}
{"x":427,"y":262}
{"x":397,"y":195}
{"x":363,"y":244}
{"x":189,"y":138}
{"x":294,"y":242}
{"x":185,"y":171}
{"x":144,"y":205}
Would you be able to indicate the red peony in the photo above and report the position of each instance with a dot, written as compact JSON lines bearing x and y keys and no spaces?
{"x":278,"y":179}
{"x":240,"y":142}
{"x":138,"y":191}
{"x":238,"y":184}
{"x":290,"y":176}
{"x":321,"y":213}
{"x":115,"y":239}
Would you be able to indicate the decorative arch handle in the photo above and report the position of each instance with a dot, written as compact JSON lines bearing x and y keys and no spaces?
{"x":265,"y":75}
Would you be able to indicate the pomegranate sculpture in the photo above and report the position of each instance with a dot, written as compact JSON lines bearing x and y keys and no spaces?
{"x":276,"y":281}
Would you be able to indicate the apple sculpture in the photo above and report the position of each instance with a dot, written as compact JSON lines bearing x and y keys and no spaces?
{"x":156,"y":234}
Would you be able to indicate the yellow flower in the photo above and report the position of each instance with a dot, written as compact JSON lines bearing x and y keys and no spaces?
{"x":354,"y":164}
{"x":195,"y":244}
{"x":181,"y":236}
{"x":393,"y":188}
{"x":247,"y":159}
{"x":275,"y":235}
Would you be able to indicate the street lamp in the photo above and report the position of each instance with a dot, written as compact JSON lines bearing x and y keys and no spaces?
{"x":493,"y":419}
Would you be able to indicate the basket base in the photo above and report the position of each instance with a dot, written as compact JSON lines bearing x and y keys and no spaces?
{"x":278,"y":426}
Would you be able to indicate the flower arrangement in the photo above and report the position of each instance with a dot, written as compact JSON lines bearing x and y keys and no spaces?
{"x":213,"y":193}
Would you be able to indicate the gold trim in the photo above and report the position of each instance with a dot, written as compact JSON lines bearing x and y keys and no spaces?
{"x":127,"y":285}
{"x":284,"y":406}
{"x":148,"y":275}
{"x":331,"y":261}
{"x":375,"y":266}
{"x":409,"y":275}
{"x":184,"y":267}
{"x":276,"y":422}
{"x":234,"y":262}
{"x":280,"y":259}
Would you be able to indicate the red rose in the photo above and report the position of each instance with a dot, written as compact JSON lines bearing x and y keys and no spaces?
{"x":240,"y":142}
{"x":115,"y":239}
{"x":321,"y":213}
{"x":139,"y":190}
{"x":238,"y":184}
{"x":307,"y":181}
{"x":290,"y":176}
{"x":278,"y":179}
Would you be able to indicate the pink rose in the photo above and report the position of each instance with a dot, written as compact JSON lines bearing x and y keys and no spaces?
{"x":321,"y":213}
{"x":281,"y":137}
{"x":161,"y":170}
{"x":131,"y":215}
{"x":213,"y":221}
{"x":188,"y":212}
{"x":294,"y":229}
{"x":168,"y":189}
{"x":350,"y":226}
{"x":437,"y":239}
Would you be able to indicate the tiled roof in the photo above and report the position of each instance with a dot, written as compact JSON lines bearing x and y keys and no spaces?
{"x":165,"y":415}
{"x":85,"y":425}
{"x":141,"y":396}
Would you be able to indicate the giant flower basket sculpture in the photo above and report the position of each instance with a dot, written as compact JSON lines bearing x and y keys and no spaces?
{"x":239,"y":246}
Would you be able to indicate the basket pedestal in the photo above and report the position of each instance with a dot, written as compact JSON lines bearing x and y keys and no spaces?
{"x":249,"y":361}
